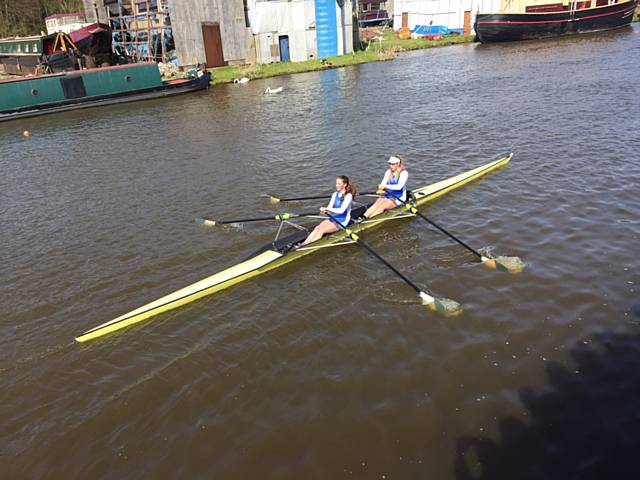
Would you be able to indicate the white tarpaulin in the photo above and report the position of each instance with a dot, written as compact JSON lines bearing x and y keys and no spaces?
{"x":449,"y":13}
{"x":273,"y":20}
{"x":280,"y":16}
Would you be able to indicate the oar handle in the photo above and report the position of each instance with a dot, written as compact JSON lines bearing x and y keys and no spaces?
{"x":414,"y":209}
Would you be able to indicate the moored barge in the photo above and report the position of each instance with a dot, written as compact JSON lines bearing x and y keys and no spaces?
{"x":533,"y":19}
{"x":38,"y":95}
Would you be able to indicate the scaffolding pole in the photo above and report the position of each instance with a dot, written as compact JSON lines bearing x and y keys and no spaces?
{"x":158,"y":30}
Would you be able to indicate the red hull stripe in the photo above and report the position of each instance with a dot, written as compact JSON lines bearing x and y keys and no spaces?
{"x":559,"y":21}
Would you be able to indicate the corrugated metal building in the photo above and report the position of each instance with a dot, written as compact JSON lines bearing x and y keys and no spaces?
{"x":300,"y":30}
{"x":211,"y":31}
{"x":454,"y":14}
{"x":233,"y":32}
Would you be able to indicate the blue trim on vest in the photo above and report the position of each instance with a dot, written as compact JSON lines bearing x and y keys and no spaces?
{"x":398,"y":193}
{"x":341,"y":217}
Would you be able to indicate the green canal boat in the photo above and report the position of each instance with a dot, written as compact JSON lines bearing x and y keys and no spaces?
{"x":21,"y":55}
{"x":31,"y":96}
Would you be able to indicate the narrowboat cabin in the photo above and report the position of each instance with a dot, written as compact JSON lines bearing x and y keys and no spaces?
{"x":21,"y":55}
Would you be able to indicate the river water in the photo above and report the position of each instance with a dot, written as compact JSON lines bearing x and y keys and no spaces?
{"x":329,"y":367}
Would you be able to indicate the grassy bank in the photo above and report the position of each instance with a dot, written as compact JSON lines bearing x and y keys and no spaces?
{"x":389,"y":42}
{"x":384,"y":47}
{"x":228,"y":74}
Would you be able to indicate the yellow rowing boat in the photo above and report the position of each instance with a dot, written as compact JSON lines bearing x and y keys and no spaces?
{"x":280,"y":252}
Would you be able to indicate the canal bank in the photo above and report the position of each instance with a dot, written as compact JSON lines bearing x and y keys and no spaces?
{"x":383,"y":47}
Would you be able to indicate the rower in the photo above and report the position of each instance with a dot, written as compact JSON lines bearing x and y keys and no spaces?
{"x":394,"y":181}
{"x":339,"y":207}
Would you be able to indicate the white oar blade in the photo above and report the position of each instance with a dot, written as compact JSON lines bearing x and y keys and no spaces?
{"x":426,"y":298}
{"x":205,"y":221}
{"x":270,"y":198}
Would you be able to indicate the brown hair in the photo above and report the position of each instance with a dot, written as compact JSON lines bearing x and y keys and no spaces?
{"x":351,"y":187}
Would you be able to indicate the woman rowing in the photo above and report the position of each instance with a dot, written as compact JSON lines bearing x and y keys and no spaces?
{"x":339,"y":207}
{"x":394,"y":184}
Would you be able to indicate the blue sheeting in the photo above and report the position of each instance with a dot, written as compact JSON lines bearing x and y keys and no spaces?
{"x":326,"y":28}
{"x":431,"y":30}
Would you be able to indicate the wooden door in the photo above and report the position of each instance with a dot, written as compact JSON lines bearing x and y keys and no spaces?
{"x":285,"y":55}
{"x":405,"y":19}
{"x":467,"y":23}
{"x":212,"y":44}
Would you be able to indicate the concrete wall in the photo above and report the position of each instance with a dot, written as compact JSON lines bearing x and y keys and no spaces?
{"x":348,"y":20}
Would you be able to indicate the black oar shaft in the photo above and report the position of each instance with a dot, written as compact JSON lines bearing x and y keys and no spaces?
{"x":294,"y":199}
{"x":447,"y":233}
{"x":414,"y":210}
{"x":246,"y":220}
{"x":318,"y":197}
{"x":282,"y":216}
{"x":394,"y":269}
{"x":361,"y":242}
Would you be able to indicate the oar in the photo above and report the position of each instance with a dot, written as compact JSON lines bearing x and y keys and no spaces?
{"x":279,"y":217}
{"x":506,"y":264}
{"x":443,"y":305}
{"x":274,"y":199}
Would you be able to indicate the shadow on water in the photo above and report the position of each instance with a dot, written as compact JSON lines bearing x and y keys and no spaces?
{"x":585,"y":424}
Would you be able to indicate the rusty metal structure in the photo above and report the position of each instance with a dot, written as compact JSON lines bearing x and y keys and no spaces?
{"x":142,"y":29}
{"x":185,"y":32}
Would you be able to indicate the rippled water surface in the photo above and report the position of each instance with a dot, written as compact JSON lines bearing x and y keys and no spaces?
{"x":329,"y":367}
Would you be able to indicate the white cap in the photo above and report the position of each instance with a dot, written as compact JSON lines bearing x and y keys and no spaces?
{"x":393,"y":160}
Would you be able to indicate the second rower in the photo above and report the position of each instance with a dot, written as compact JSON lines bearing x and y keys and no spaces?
{"x":339,"y":207}
{"x":395,"y":181}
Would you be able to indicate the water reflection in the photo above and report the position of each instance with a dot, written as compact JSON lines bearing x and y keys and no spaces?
{"x":583,"y":424}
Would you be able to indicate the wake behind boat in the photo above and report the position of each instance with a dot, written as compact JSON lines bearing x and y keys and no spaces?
{"x":282,"y":251}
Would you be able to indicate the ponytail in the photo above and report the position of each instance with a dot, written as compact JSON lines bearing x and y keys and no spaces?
{"x":351,"y":187}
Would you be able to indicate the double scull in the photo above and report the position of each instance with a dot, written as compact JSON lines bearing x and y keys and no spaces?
{"x":281,"y":251}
